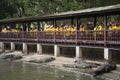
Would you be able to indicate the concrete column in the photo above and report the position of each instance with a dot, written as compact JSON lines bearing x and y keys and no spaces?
{"x":2,"y":46}
{"x":39,"y":48}
{"x":25,"y":50}
{"x":12,"y":46}
{"x":107,"y":55}
{"x":56,"y":50}
{"x":79,"y":53}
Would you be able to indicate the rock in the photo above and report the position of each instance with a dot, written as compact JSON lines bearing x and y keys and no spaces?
{"x":16,"y":57}
{"x":11,"y":56}
{"x":7,"y":56}
{"x":79,"y":61}
{"x":104,"y":69}
{"x":2,"y":56}
{"x":8,"y":51}
{"x":79,"y":64}
{"x":70,"y":65}
{"x":2,"y":51}
{"x":84,"y":66}
{"x":42,"y":60}
{"x":86,"y":63}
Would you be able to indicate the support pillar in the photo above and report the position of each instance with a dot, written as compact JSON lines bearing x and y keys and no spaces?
{"x":39,"y":48}
{"x":107,"y":55}
{"x":2,"y":46}
{"x":25,"y":50}
{"x":12,"y":46}
{"x":56,"y":50}
{"x":79,"y":53}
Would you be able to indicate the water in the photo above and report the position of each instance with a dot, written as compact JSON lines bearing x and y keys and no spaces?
{"x":25,"y":71}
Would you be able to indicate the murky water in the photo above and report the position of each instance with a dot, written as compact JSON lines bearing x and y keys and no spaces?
{"x":25,"y":71}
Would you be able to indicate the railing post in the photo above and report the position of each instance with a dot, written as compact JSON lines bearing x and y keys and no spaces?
{"x":22,"y":36}
{"x":94,"y":32}
{"x":54,"y":37}
{"x":37,"y":36}
{"x":105,"y":29}
{"x":76,"y":24}
{"x":54,"y":25}
{"x":95,"y":21}
{"x":38,"y":26}
{"x":76,"y":37}
{"x":22,"y":32}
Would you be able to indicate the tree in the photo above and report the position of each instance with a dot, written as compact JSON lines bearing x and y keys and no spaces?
{"x":22,"y":8}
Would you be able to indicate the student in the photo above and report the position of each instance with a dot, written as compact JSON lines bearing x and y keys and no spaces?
{"x":90,"y":26}
{"x":98,"y":31}
{"x":82,"y":28}
{"x":73,"y":30}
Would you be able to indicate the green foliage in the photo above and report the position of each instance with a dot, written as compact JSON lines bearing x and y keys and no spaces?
{"x":9,"y":8}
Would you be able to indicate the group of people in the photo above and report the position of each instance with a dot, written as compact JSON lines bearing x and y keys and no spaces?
{"x":70,"y":30}
{"x":8,"y":29}
{"x":63,"y":29}
{"x":111,"y":28}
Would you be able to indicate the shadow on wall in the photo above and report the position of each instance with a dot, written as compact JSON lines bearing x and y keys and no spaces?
{"x":32,"y":48}
{"x":48,"y":49}
{"x":18,"y":47}
{"x":67,"y":52}
{"x":115,"y":56}
{"x":7,"y":46}
{"x":93,"y":54}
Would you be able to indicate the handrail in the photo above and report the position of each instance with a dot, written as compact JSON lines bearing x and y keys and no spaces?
{"x":77,"y":37}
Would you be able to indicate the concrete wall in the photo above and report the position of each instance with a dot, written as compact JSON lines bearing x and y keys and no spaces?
{"x":18,"y":47}
{"x":67,"y":51}
{"x":115,"y":56}
{"x":46,"y":49}
{"x":93,"y":54}
{"x":7,"y":46}
{"x":32,"y":48}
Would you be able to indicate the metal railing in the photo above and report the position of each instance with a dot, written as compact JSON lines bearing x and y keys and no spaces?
{"x":89,"y":37}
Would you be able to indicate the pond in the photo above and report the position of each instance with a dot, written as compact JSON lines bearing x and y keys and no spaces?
{"x":10,"y":70}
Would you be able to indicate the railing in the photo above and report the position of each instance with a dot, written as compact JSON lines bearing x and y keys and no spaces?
{"x":88,"y":37}
{"x":11,"y":36}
